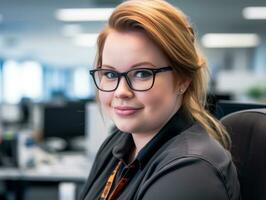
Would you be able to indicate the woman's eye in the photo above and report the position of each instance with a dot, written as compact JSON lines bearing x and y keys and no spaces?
{"x":110,"y":74}
{"x":143,"y":74}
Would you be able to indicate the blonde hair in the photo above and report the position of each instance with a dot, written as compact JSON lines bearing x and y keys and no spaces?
{"x":170,"y":30}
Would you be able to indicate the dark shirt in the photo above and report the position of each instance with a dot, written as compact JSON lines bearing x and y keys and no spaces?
{"x":181,"y":162}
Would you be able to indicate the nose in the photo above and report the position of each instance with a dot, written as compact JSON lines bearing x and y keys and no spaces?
{"x":123,"y":90}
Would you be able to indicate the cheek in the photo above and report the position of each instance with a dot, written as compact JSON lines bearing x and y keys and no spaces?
{"x":153,"y":100}
{"x":105,"y":99}
{"x":162,"y":97}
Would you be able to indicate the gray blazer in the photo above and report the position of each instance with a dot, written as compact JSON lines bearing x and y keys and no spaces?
{"x":182,"y":162}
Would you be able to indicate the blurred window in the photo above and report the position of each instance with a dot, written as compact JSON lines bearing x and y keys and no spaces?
{"x":21,"y":80}
{"x":57,"y":83}
{"x":81,"y":83}
{"x":1,"y":81}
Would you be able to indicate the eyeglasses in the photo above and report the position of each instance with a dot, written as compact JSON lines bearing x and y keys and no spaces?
{"x":140,"y":79}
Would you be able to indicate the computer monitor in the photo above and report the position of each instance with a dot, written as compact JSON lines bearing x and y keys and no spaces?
{"x":214,"y":98}
{"x":99,"y":127}
{"x":65,"y":121}
{"x":10,"y":114}
{"x":226,"y":107}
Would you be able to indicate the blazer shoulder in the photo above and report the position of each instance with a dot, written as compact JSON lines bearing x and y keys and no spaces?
{"x":195,"y":142}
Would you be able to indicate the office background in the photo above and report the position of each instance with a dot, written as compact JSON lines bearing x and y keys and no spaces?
{"x":39,"y":44}
{"x":46,"y":50}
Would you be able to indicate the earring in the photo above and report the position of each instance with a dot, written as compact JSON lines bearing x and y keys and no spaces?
{"x":181,"y":91}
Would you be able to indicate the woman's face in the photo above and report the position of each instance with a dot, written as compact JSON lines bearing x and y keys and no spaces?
{"x":138,"y":112}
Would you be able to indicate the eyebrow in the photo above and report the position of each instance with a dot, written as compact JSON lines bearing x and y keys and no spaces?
{"x":133,"y":66}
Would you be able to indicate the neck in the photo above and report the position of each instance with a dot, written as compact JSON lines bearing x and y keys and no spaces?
{"x":140,"y":141}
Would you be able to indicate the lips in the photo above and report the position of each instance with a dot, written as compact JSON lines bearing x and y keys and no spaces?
{"x":126,"y":110}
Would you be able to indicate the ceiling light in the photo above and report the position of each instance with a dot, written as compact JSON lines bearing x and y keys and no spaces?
{"x":230,"y":40}
{"x":84,"y":14}
{"x":86,"y":40}
{"x":71,"y":30}
{"x":254,"y":13}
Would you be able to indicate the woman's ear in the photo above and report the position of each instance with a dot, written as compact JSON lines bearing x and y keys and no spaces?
{"x":183,"y":86}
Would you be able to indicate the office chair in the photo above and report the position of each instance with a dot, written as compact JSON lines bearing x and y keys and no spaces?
{"x":247,"y":129}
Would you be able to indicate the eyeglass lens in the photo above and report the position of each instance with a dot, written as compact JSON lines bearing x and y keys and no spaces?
{"x":138,"y":79}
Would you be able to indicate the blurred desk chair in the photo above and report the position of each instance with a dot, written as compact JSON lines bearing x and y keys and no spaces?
{"x":247,"y":129}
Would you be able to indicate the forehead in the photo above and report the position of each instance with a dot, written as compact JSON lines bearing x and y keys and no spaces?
{"x":131,"y":47}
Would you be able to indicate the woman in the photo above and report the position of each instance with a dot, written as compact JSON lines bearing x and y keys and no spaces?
{"x":152,"y":83}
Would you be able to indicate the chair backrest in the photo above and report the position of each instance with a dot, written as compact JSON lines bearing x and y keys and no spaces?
{"x":247,"y":129}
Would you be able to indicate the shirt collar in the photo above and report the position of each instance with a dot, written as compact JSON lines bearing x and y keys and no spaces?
{"x":178,"y":123}
{"x":123,"y":147}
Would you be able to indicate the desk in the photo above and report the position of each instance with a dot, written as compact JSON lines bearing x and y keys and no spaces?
{"x":72,"y":168}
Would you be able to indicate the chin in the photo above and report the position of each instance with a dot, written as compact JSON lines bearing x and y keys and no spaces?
{"x":126,"y":128}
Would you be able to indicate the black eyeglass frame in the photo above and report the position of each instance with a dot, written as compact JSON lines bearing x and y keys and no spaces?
{"x":124,"y":74}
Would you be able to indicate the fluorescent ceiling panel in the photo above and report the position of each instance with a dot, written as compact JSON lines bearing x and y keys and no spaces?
{"x":84,"y":14}
{"x":230,"y":40}
{"x":86,"y":40}
{"x":254,"y":13}
{"x":70,"y":30}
